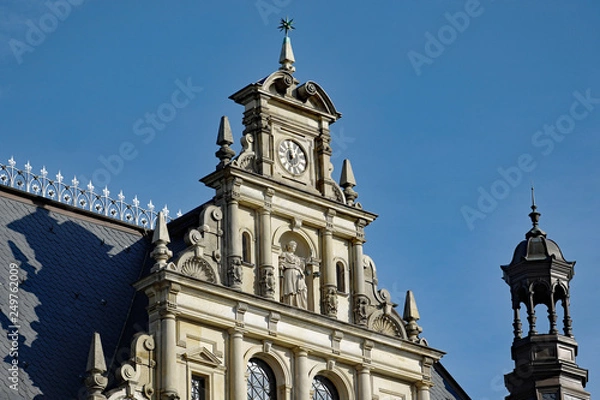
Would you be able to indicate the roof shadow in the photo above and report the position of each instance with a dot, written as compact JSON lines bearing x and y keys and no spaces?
{"x":75,"y":278}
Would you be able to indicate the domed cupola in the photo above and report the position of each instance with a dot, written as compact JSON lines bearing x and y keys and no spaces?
{"x":545,"y":365}
{"x":536,"y":245}
{"x":539,"y":274}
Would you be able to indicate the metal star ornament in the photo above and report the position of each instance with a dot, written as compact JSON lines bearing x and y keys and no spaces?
{"x":286,"y":25}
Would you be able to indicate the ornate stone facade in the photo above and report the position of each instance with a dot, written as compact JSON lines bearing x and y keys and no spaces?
{"x":269,"y":282}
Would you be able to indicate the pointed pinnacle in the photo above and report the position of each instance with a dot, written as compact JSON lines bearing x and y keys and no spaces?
{"x":225,"y":137}
{"x":161,"y":233}
{"x":286,"y":59}
{"x":347,"y":178}
{"x":96,"y":362}
{"x":410,"y":307}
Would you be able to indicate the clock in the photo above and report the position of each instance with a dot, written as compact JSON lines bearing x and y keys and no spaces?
{"x":292,"y":157}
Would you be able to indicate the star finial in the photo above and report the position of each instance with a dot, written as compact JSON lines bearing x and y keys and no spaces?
{"x":286,"y":25}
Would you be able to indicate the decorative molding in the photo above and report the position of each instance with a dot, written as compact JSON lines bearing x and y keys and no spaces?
{"x":367,"y":346}
{"x":85,"y":198}
{"x":336,"y":339}
{"x":198,"y":268}
{"x":272,"y":321}
{"x":384,"y":324}
{"x":240,"y":311}
{"x":203,"y":356}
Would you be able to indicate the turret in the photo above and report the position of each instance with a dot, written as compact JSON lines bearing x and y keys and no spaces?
{"x":545,"y":366}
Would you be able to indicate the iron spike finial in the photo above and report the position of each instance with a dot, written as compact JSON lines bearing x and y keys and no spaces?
{"x":535,"y":218}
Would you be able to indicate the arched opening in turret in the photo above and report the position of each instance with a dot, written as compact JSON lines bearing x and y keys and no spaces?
{"x":520,"y":301}
{"x":560,"y":304}
{"x":542,"y":307}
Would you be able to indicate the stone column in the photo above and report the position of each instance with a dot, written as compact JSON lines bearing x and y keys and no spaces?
{"x":267,"y":271}
{"x":301,"y":384}
{"x":169,"y":356}
{"x":166,"y":300}
{"x":237,"y":367}
{"x":329,"y":303}
{"x":364,"y":382}
{"x":360,"y":298}
{"x":234,"y":241}
{"x":423,"y":390}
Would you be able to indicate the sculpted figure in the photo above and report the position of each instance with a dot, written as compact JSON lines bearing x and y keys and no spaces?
{"x":294,"y":290}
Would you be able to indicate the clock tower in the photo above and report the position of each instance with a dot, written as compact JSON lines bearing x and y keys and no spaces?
{"x":280,"y":188}
{"x":267,"y":292}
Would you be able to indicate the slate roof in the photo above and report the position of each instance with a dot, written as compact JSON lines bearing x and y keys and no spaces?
{"x":445,"y":387}
{"x":75,"y":271}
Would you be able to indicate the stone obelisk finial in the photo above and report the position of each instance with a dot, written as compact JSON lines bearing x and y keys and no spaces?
{"x":411,"y":316}
{"x":347,"y":182}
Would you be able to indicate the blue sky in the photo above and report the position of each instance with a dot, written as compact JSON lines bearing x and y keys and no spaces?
{"x":508,"y":95}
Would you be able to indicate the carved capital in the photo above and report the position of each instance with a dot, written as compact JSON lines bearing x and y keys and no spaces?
{"x":360,"y":229}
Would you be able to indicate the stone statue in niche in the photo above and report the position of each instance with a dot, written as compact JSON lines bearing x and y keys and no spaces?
{"x":293,"y":288}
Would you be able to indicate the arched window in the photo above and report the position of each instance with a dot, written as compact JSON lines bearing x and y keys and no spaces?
{"x":261,"y":381}
{"x":246,"y":248}
{"x":340,"y":277}
{"x":323,"y":389}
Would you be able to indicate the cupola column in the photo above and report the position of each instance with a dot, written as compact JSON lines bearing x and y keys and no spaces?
{"x":552,"y":316}
{"x":517,"y":326}
{"x":531,"y":318}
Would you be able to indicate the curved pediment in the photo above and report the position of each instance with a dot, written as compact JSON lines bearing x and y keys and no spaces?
{"x":310,"y":93}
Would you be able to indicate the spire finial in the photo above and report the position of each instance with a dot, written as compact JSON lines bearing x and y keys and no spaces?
{"x":286,"y":59}
{"x":347,"y":182}
{"x":411,"y":316}
{"x":535,"y":218}
{"x":224,"y":139}
{"x":160,"y":240}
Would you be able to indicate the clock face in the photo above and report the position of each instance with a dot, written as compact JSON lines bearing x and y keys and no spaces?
{"x":292,"y":157}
